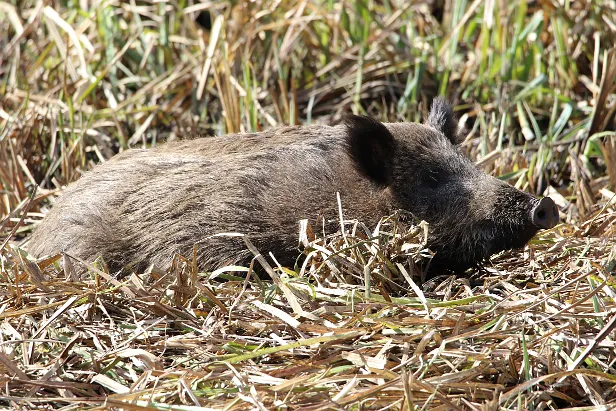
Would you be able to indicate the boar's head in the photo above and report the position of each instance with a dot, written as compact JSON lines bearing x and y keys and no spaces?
{"x":471,"y":215}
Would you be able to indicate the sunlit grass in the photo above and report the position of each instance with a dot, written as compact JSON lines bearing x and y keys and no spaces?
{"x":534,"y":85}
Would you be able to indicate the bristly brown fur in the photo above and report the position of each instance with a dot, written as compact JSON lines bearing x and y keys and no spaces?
{"x":144,"y":206}
{"x":372,"y":147}
{"x":441,"y":117}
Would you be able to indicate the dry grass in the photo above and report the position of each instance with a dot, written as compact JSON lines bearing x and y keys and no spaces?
{"x":353,"y":328}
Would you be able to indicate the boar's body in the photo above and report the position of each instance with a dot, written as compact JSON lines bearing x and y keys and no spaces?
{"x":143,"y":206}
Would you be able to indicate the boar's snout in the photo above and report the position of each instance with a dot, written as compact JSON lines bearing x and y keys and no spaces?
{"x":545,"y":214}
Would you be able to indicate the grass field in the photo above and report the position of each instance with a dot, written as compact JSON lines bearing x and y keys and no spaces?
{"x":534,"y":83}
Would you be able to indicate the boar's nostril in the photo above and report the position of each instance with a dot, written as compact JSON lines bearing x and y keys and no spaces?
{"x":545,"y":214}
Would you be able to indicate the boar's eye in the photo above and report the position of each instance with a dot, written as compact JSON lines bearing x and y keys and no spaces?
{"x":433,"y":179}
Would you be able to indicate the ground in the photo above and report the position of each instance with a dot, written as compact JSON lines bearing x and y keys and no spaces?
{"x":534,"y":84}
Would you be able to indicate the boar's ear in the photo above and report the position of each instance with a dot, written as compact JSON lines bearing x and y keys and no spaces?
{"x":371,"y":146}
{"x":441,"y":117}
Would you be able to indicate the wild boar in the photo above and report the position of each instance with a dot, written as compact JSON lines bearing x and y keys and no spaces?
{"x":143,"y":206}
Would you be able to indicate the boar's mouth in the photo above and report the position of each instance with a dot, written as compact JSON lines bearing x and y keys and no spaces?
{"x":456,"y":255}
{"x":469,"y":246}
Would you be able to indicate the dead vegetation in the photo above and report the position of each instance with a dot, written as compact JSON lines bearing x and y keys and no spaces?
{"x":353,"y":327}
